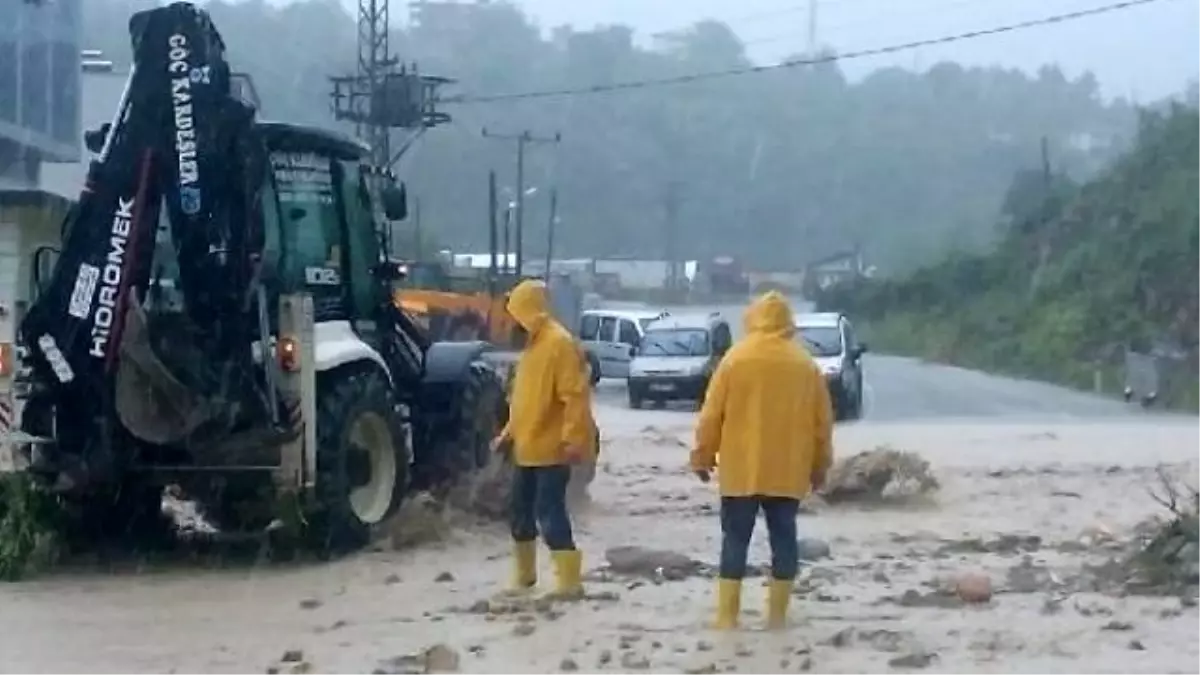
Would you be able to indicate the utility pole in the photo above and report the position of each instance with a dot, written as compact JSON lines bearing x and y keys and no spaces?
{"x":550,"y":230}
{"x":417,"y":243}
{"x":671,"y":212}
{"x":522,"y":139}
{"x":493,"y":234}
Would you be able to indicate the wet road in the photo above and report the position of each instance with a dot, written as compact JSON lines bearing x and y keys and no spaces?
{"x":901,"y":389}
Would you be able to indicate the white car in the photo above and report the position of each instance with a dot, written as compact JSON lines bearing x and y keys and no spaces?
{"x":610,"y":337}
{"x":829,"y":337}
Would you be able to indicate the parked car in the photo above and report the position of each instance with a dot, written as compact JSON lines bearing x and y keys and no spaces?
{"x":830,"y":338}
{"x":676,"y":358}
{"x":609,"y":336}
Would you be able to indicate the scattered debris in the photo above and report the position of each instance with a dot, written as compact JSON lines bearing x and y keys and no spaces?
{"x":310,"y":603}
{"x":1137,"y":646}
{"x":1005,"y":544}
{"x":974,"y":587}
{"x":913,"y":660}
{"x":292,"y":656}
{"x":391,"y":579}
{"x":605,"y":657}
{"x":812,"y":548}
{"x":937,"y":599}
{"x":1117,"y":626}
{"x":421,"y":519}
{"x":444,"y":577}
{"x":524,"y":629}
{"x":880,"y":475}
{"x":568,"y":665}
{"x":439,"y":658}
{"x":1170,"y":560}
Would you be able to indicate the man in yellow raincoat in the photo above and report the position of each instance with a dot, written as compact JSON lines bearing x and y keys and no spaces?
{"x":767,"y":416}
{"x":550,"y":427}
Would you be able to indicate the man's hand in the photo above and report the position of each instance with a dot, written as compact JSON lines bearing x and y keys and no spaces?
{"x":703,"y":474}
{"x":500,"y":443}
{"x":574,"y":454}
{"x":818,"y":480}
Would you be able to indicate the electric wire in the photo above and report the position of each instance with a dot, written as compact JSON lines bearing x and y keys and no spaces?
{"x":797,"y":62}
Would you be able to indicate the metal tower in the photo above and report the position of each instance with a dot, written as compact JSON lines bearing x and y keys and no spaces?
{"x":382,"y":95}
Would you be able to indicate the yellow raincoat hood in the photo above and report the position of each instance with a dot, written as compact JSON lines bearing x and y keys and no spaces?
{"x":529,"y":304}
{"x":770,"y":314}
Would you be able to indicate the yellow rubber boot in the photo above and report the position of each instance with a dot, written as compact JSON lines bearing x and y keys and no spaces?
{"x":729,"y":603}
{"x":779,"y":595}
{"x":524,"y":565}
{"x":568,"y":567}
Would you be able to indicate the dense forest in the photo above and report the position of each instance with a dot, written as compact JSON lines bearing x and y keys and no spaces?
{"x":781,"y":167}
{"x":1081,"y":273}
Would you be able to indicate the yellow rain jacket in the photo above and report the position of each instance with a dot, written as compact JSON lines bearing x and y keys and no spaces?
{"x":550,"y":404}
{"x":767,"y":413}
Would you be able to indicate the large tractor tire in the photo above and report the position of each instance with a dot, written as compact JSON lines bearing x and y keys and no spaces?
{"x":484,"y":476}
{"x":362,"y":459}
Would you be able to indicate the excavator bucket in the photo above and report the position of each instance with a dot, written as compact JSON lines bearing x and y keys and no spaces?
{"x":151,"y":402}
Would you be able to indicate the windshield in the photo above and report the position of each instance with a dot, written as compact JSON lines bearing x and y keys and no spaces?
{"x":820,"y":340}
{"x":675,"y":342}
{"x":646,"y":321}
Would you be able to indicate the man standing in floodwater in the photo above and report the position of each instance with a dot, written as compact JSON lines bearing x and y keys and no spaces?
{"x":550,"y":427}
{"x":767,"y":417}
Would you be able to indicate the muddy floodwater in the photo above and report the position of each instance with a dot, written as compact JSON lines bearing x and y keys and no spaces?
{"x":1026,"y":504}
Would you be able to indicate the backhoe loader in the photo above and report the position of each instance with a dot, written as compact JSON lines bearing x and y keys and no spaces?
{"x":220,"y":317}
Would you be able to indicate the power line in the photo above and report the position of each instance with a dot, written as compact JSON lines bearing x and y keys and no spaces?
{"x":795,"y":63}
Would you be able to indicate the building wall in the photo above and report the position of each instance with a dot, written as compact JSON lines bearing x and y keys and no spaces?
{"x":39,"y":86}
{"x":101,"y":92}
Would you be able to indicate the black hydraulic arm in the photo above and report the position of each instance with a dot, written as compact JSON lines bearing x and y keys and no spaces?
{"x":179,"y":140}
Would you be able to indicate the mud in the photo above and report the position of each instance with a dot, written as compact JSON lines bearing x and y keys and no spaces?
{"x":886,"y":593}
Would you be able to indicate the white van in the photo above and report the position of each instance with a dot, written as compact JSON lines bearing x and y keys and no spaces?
{"x":676,"y":358}
{"x":610,"y":337}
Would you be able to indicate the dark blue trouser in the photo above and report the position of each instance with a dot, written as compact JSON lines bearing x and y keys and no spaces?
{"x":539,"y":503}
{"x":737,"y":525}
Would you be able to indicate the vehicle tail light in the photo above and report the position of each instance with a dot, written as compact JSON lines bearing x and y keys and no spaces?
{"x":7,"y":362}
{"x":289,"y":354}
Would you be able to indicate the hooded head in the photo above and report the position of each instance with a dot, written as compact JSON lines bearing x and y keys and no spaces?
{"x":770,"y":314}
{"x":529,"y":305}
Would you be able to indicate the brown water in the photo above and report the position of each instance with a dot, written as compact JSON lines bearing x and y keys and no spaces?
{"x":1073,"y":485}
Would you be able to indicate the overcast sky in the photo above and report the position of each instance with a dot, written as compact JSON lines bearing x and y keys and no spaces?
{"x":1145,"y":52}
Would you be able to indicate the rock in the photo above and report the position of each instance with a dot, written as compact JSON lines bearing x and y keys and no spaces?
{"x":524,"y":629}
{"x":743,"y":652}
{"x":913,"y":660}
{"x":703,"y":646}
{"x":292,"y":656}
{"x":310,"y":603}
{"x":1117,"y":626}
{"x":391,"y":579}
{"x":882,"y":474}
{"x":634,"y":661}
{"x":812,"y":548}
{"x":973,"y":587}
{"x":439,"y":658}
{"x":652,"y":563}
{"x":806,"y":665}
{"x":605,"y":658}
{"x":842,"y":638}
{"x":567,"y":665}
{"x":1137,"y":646}
{"x":302,"y":668}
{"x":706,"y":669}
{"x":480,"y":607}
{"x":444,"y":577}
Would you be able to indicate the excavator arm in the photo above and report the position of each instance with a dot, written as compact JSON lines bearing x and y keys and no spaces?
{"x":182,"y":144}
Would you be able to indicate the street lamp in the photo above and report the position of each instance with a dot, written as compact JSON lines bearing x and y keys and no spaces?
{"x":509,"y":210}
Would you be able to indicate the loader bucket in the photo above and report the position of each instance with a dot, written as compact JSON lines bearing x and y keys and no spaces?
{"x":152,"y":403}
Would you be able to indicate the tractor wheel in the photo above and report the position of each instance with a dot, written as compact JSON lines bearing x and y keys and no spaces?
{"x":362,"y":459}
{"x":481,"y":479}
{"x":482,"y":411}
